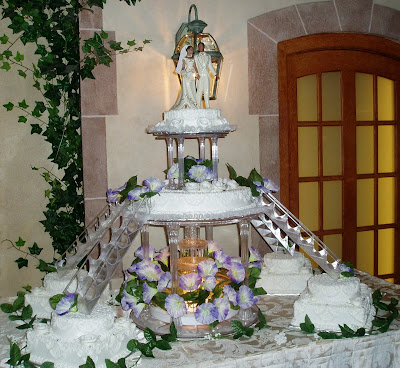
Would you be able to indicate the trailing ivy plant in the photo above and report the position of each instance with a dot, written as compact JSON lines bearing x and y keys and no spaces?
{"x":52,"y":26}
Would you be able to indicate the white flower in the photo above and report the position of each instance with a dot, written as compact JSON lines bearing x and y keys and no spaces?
{"x":280,"y":338}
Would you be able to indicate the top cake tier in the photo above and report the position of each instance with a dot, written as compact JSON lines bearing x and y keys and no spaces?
{"x":192,"y":121}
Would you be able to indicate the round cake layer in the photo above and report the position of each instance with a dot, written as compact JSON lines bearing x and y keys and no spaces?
{"x":284,"y":263}
{"x":74,"y":325}
{"x":192,"y":121}
{"x":56,"y":284}
{"x":325,"y":288}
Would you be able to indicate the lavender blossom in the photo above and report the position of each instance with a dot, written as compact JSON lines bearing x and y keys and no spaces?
{"x":207,"y":268}
{"x":137,"y":309}
{"x":236,"y":272}
{"x":154,"y":184}
{"x":222,"y":259}
{"x":148,"y":270}
{"x":114,"y":194}
{"x":254,"y":255}
{"x":128,"y":301}
{"x":200,"y":173}
{"x":266,"y":186}
{"x":244,"y":297}
{"x":65,"y":305}
{"x":163,"y":256}
{"x":213,"y":246}
{"x":148,"y":292}
{"x":223,"y":308}
{"x":175,"y":306}
{"x":189,"y":281}
{"x":230,"y":293}
{"x":206,"y":313}
{"x":173,"y":172}
{"x":135,"y":194}
{"x":165,"y":281}
{"x":209,"y":283}
{"x":140,"y":252}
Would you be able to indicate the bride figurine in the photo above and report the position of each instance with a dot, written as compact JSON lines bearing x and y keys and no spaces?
{"x":187,"y":69}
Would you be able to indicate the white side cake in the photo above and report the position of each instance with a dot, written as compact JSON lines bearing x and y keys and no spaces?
{"x":53,"y":284}
{"x":283,"y":273}
{"x":192,"y":121}
{"x":69,"y":339}
{"x":330,"y":303}
{"x":203,"y":200}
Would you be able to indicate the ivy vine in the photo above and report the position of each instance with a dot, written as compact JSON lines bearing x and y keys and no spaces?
{"x":53,"y":27}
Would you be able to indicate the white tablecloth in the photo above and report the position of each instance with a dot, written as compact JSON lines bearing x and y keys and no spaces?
{"x":262,"y":349}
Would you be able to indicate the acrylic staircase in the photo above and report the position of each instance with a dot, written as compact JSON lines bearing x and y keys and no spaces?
{"x":280,"y":228}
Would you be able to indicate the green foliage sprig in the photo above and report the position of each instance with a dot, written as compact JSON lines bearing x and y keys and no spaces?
{"x":246,"y":182}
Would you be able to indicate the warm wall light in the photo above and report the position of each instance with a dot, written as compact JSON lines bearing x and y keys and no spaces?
{"x":191,"y":33}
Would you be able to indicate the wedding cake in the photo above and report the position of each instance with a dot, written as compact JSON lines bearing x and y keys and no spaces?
{"x":53,"y":284}
{"x":330,"y":303}
{"x":283,"y":273}
{"x":70,"y":338}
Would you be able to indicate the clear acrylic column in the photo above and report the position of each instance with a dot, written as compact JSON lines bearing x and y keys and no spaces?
{"x":170,"y":158}
{"x":181,"y":156}
{"x":214,"y":155}
{"x":244,"y":228}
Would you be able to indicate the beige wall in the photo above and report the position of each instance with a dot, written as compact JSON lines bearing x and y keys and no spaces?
{"x":146,"y":88}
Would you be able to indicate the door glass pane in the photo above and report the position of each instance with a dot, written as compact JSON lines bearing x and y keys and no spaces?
{"x":365,"y":251}
{"x":331,"y":97}
{"x":390,"y":280}
{"x":365,"y":202}
{"x":365,"y":149}
{"x":308,"y":205}
{"x":386,"y":151}
{"x":386,"y":200}
{"x":364,"y":97}
{"x":332,"y":150}
{"x":307,"y":98}
{"x":385,"y":99}
{"x":332,"y":209}
{"x":308,"y":151}
{"x":385,"y":251}
{"x":334,"y":243}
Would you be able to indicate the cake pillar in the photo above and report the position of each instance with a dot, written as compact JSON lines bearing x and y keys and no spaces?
{"x":214,"y":155}
{"x":181,"y":156}
{"x":170,"y":158}
{"x":244,"y":227}
{"x":209,"y":233}
{"x":202,"y":148}
{"x":144,"y":233}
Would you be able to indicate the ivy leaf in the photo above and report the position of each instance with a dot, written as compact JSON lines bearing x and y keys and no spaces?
{"x":36,"y":85}
{"x":21,"y":262}
{"x":4,"y":39}
{"x":28,"y":288}
{"x":114,"y":45}
{"x":103,"y":34}
{"x":133,"y":345}
{"x":34,"y":249}
{"x":262,"y":321}
{"x":9,"y":106}
{"x":23,"y":104}
{"x":329,"y":335}
{"x":15,"y":355}
{"x":149,"y":335}
{"x":131,"y":43}
{"x":110,"y":364}
{"x":35,"y":128}
{"x":54,"y":300}
{"x":146,"y":41}
{"x":22,"y":119}
{"x":20,"y":242}
{"x":19,"y":57}
{"x":163,"y":345}
{"x":21,"y":73}
{"x":6,"y":308}
{"x":89,"y":363}
{"x":7,"y":54}
{"x":27,"y":312}
{"x":307,"y":326}
{"x":48,"y":365}
{"x":5,"y":66}
{"x":44,"y":267}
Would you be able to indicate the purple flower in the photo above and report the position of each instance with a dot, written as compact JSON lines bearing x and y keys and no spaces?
{"x":266,"y":186}
{"x":135,"y":194}
{"x":230,"y":293}
{"x":189,"y":281}
{"x":148,"y":270}
{"x":222,"y":259}
{"x":163,"y":256}
{"x":244,"y":297}
{"x":148,"y":293}
{"x":200,"y":173}
{"x":206,"y":313}
{"x":254,"y":255}
{"x":137,"y":309}
{"x":164,"y":282}
{"x":223,"y":308}
{"x":128,"y":301}
{"x":173,"y":172}
{"x":207,"y":268}
{"x":213,"y":246}
{"x":255,"y":264}
{"x":65,"y":305}
{"x":209,"y":283}
{"x":236,"y":272}
{"x":154,"y":184}
{"x":140,"y":252}
{"x":132,"y":268}
{"x":114,"y":194}
{"x":175,"y":306}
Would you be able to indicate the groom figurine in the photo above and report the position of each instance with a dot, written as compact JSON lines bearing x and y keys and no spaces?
{"x":204,"y":67}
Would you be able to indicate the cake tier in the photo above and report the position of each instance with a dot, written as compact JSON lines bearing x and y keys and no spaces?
{"x":283,"y":284}
{"x":75,"y":325}
{"x":323,"y":287}
{"x":192,"y":121}
{"x":71,"y":351}
{"x":284,"y":263}
{"x":55,"y":284}
{"x":328,"y":316}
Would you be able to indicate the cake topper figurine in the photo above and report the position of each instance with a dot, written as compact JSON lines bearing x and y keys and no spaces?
{"x":205,"y":67}
{"x":187,"y":69}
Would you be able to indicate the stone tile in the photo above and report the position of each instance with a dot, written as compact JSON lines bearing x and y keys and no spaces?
{"x":386,"y":22}
{"x":354,"y":15}
{"x":93,"y":208}
{"x":263,"y":73}
{"x":319,"y":17}
{"x":91,"y":18}
{"x":99,"y":95}
{"x":94,"y":157}
{"x":269,"y":148}
{"x":280,"y":25}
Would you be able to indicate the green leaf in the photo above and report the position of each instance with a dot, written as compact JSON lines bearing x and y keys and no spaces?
{"x":20,"y":242}
{"x":22,"y":119}
{"x":6,"y":66}
{"x":14,"y":317}
{"x":163,"y":345}
{"x":15,"y":355}
{"x":28,"y":364}
{"x":28,"y":288}
{"x":259,"y":291}
{"x":110,"y":364}
{"x":122,"y":363}
{"x":329,"y":335}
{"x":44,"y":267}
{"x":27,"y":312}
{"x":133,"y":345}
{"x":376,"y":296}
{"x":23,"y":104}
{"x":51,"y":364}
{"x":146,"y":350}
{"x":7,"y":54}
{"x":34,"y":249}
{"x":54,"y":300}
{"x":103,"y":34}
{"x":347,"y":331}
{"x":146,"y":41}
{"x":19,"y":57}
{"x":262,"y":321}
{"x":379,"y":322}
{"x":131,"y":43}
{"x":21,"y":262}
{"x":89,"y":363}
{"x":9,"y":106}
{"x":149,"y":335}
{"x":360,"y":332}
{"x":21,"y":73}
{"x":255,"y":176}
{"x":238,"y":329}
{"x":25,"y":326}
{"x":36,"y":85}
{"x":307,"y":326}
{"x":213,"y":325}
{"x":19,"y":302}
{"x":6,"y":308}
{"x":114,"y":45}
{"x":4,"y":39}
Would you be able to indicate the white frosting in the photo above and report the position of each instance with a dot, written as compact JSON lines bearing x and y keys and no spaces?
{"x":330,"y":303}
{"x":69,"y":339}
{"x":192,"y":121}
{"x":283,"y":273}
